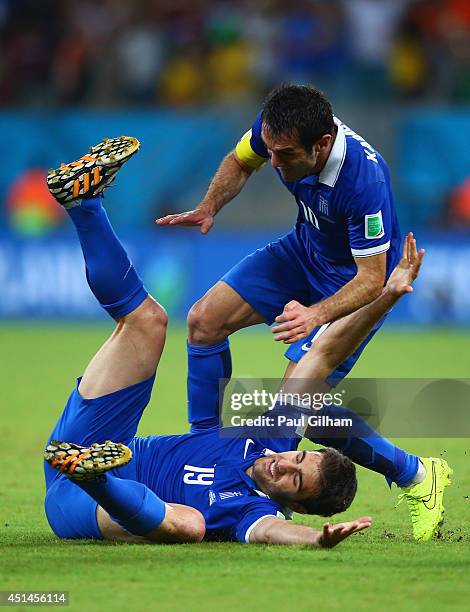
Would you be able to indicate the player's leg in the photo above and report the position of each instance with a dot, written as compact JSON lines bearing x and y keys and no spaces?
{"x":117,"y":384}
{"x":127,"y":362}
{"x":97,"y":503}
{"x":134,"y":349}
{"x":254,"y":291}
{"x":182,"y":524}
{"x":421,"y":479}
{"x":211,"y":320}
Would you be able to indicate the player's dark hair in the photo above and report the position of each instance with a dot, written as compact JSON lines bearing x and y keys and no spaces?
{"x":300,"y":108}
{"x":338,"y":484}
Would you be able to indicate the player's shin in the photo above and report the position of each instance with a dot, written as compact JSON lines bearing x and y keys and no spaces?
{"x":207,"y":365}
{"x":131,"y":504}
{"x":110,"y":274}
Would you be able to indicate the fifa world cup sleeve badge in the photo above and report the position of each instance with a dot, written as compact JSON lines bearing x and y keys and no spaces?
{"x":374,"y":226}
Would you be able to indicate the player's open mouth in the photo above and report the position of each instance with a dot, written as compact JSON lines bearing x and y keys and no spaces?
{"x":270,"y":469}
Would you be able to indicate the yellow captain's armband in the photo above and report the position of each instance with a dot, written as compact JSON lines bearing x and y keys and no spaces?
{"x":245,"y":153}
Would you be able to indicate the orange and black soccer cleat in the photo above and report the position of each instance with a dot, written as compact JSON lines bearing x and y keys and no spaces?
{"x":86,"y":462}
{"x":92,"y":173}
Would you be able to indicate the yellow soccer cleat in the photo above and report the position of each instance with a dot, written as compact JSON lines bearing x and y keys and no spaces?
{"x":425,"y":499}
{"x":86,"y":462}
{"x":91,"y":174}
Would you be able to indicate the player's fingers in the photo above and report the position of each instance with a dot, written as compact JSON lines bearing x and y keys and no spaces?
{"x":339,"y":529}
{"x":404,"y":251}
{"x":297,"y":335}
{"x":183,"y":220}
{"x":285,"y":316}
{"x":364,"y":519}
{"x":290,"y":336}
{"x":411,"y":244}
{"x":287,"y":326}
{"x":413,"y":251}
{"x":292,"y":304}
{"x":206,"y":226}
{"x":361,"y":527}
{"x":417,"y":263}
{"x":165,"y":220}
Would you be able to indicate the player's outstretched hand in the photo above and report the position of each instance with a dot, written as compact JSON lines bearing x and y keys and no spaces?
{"x":334,"y":534}
{"x":192,"y":218}
{"x":407,"y":270}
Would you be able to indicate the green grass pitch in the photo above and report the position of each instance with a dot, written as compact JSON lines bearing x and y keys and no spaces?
{"x":380,"y":569}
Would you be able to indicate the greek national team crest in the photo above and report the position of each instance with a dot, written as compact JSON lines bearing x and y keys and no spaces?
{"x":374,"y":226}
{"x":323,"y":205}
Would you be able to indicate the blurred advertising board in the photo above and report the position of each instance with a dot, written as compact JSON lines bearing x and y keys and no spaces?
{"x":43,"y":278}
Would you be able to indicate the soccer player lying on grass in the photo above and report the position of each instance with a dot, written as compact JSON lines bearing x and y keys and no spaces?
{"x":177,"y":488}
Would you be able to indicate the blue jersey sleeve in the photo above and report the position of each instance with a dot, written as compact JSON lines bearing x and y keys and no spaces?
{"x":238,"y":516}
{"x":252,"y":515}
{"x":370,"y":223}
{"x":256,"y":142}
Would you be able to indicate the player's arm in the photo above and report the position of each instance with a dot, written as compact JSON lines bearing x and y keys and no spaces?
{"x":370,"y":223}
{"x":227,"y":183}
{"x":273,"y":530}
{"x":297,"y":320}
{"x":232,"y":175}
{"x":343,"y":337}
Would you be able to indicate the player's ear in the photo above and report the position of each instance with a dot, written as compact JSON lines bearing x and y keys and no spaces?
{"x":324,"y":141}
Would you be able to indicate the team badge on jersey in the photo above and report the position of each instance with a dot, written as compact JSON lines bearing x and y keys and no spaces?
{"x":374,"y":226}
{"x":323,"y":205}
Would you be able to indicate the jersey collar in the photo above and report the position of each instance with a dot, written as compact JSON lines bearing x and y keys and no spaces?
{"x":330,"y":173}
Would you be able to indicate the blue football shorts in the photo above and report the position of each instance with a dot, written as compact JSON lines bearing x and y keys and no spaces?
{"x":280,"y":272}
{"x":70,"y":511}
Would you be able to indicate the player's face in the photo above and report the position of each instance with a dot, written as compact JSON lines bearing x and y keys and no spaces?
{"x":288,"y":477}
{"x":288,"y":154}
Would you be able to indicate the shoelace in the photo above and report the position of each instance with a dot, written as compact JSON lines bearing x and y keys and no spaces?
{"x":71,"y":462}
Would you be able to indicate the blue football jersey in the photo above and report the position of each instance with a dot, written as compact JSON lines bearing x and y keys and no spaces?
{"x":207,"y":471}
{"x":347,"y":210}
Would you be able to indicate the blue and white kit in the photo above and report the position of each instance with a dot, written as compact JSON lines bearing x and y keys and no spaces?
{"x":200,"y":469}
{"x":344,"y":212}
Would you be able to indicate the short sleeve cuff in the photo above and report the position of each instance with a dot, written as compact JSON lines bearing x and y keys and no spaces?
{"x":253,"y":525}
{"x":375,"y":250}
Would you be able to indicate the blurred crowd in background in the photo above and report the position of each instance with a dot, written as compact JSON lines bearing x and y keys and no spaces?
{"x":196,"y":52}
{"x":397,"y":71}
{"x":187,"y":78}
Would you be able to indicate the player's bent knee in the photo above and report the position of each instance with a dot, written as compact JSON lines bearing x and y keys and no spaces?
{"x":150,"y":317}
{"x":195,"y":527}
{"x":182,"y":524}
{"x":203,"y":327}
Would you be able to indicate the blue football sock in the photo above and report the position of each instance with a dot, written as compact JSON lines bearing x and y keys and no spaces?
{"x":366,"y":447}
{"x":131,"y":504}
{"x":110,"y":274}
{"x":206,"y":366}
